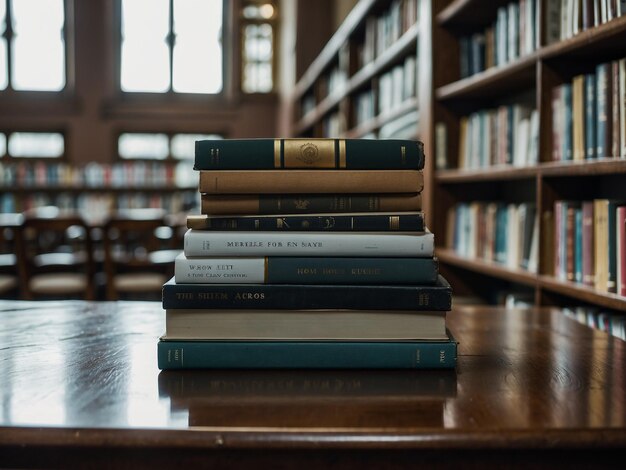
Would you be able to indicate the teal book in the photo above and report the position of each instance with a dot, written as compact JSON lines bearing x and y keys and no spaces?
{"x":591,"y":115}
{"x":307,"y":354}
{"x":305,"y":270}
{"x":302,"y":153}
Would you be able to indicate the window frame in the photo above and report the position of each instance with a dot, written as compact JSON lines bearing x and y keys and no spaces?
{"x":8,"y":158}
{"x":228,"y":91}
{"x":9,"y":93}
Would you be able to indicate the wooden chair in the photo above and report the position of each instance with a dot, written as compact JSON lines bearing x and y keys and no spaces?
{"x":139,"y":254}
{"x":10,"y":224}
{"x":56,"y":255}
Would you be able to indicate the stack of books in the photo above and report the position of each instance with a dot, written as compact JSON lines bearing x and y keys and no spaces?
{"x":308,"y":253}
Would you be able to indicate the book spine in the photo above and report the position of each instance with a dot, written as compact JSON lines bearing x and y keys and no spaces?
{"x":300,"y":296}
{"x":308,"y":203}
{"x":588,"y":244}
{"x":601,"y":237}
{"x":305,"y":355}
{"x":322,"y":223}
{"x":620,"y":227}
{"x":590,"y":115}
{"x":604,"y":101}
{"x":578,"y":245}
{"x":568,"y":144}
{"x":208,"y":243}
{"x":307,"y":270}
{"x":310,"y":181}
{"x":249,"y":154}
{"x":611,"y":284}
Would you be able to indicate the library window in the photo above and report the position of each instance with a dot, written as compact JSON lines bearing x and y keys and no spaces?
{"x":258,"y":23}
{"x":32,"y":45}
{"x":160,"y":146}
{"x":32,"y":144}
{"x":171,"y":46}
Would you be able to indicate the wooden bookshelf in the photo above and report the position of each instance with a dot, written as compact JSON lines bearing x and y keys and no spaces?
{"x":449,"y":93}
{"x":537,"y":74}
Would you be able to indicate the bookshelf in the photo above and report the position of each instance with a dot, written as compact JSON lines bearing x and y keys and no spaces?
{"x":533,"y":77}
{"x":493,"y":87}
{"x":95,"y":188}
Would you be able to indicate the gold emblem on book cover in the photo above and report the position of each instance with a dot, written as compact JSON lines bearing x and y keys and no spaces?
{"x":309,"y":153}
{"x":302,"y":204}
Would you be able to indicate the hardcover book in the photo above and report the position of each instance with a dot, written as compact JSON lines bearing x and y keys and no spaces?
{"x":232,"y":204}
{"x":223,"y":243}
{"x":307,"y":354}
{"x":310,"y":181}
{"x":305,"y":270}
{"x":248,"y":154}
{"x":303,"y":325}
{"x":437,"y":296}
{"x":330,"y":222}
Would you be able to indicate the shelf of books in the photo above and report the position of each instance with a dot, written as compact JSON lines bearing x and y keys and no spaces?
{"x":364,"y":82}
{"x":95,"y":187}
{"x":530,"y":150}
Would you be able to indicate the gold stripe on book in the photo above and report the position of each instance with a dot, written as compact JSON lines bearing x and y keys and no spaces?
{"x":309,"y":153}
{"x":277,"y":153}
{"x":342,"y":153}
{"x":279,"y":222}
{"x":394,"y":222}
{"x":265,"y":269}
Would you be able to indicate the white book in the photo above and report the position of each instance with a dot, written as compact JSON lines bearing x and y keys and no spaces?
{"x":229,"y":243}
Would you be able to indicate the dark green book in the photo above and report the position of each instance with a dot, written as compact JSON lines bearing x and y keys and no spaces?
{"x":316,"y":296}
{"x":356,"y":154}
{"x":331,"y":222}
{"x":307,"y":354}
{"x":305,"y":270}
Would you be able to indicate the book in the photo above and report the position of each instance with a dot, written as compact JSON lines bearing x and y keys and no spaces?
{"x":248,"y":154}
{"x":217,"y":204}
{"x":310,"y":181}
{"x":436,"y":296}
{"x":620,"y":235}
{"x":305,"y":270}
{"x":307,"y":354}
{"x":225,"y":243}
{"x":588,"y":267}
{"x":331,"y":222}
{"x":303,"y":325}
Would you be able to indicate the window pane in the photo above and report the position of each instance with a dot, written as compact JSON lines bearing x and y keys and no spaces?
{"x":4,"y":76}
{"x":183,"y":145}
{"x":145,"y":56}
{"x":36,"y":144}
{"x":197,"y":50}
{"x":258,"y":58}
{"x":38,"y":58}
{"x":143,"y":146}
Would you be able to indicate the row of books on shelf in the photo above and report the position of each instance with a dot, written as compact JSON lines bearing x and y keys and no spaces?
{"x":566,"y":18}
{"x":26,"y":174}
{"x":590,"y":243}
{"x":299,"y":290}
{"x":99,"y":204}
{"x":382,"y":30}
{"x":505,"y":233}
{"x":513,"y":34}
{"x":612,"y":322}
{"x":508,"y":134}
{"x":589,"y":114}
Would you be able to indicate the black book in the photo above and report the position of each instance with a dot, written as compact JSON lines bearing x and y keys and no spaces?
{"x":316,"y":296}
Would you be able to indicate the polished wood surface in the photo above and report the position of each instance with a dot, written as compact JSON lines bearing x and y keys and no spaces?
{"x":79,"y":386}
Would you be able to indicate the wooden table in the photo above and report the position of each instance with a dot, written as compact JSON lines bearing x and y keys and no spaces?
{"x":79,"y":386}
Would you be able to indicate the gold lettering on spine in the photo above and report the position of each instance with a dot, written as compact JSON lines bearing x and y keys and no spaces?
{"x":265,"y":269}
{"x":309,"y":153}
{"x":403,"y":154}
{"x":342,"y":153}
{"x":279,"y":223}
{"x":394,"y":222}
{"x":277,"y":153}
